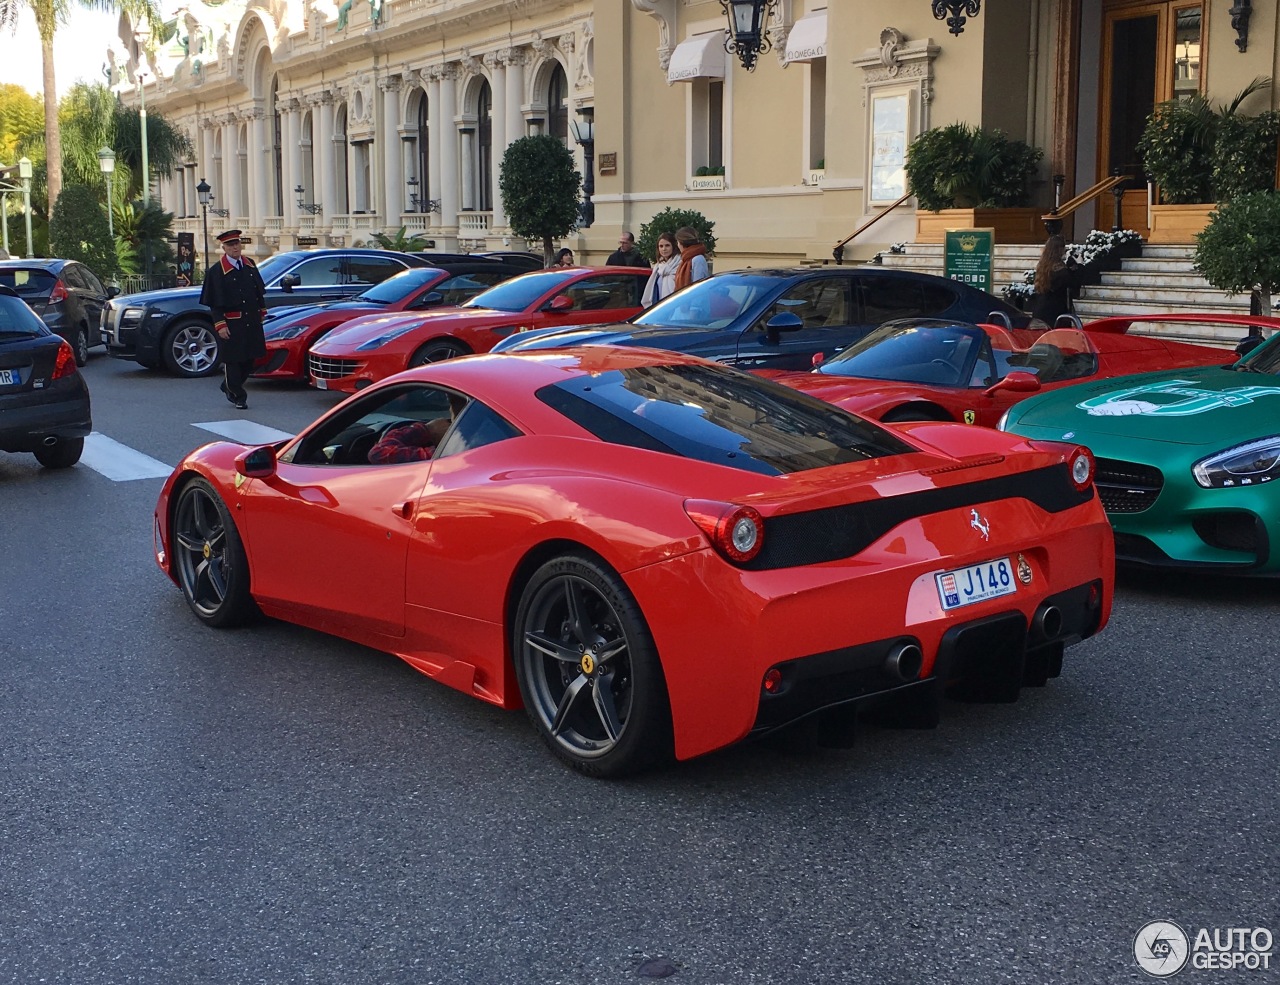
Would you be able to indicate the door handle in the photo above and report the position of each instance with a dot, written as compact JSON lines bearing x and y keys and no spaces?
{"x":403,"y":510}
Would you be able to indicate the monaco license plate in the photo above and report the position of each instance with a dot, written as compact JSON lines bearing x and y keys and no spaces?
{"x":10,"y":377}
{"x":976,"y":583}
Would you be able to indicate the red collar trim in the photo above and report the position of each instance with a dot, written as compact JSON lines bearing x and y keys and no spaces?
{"x":226,"y":264}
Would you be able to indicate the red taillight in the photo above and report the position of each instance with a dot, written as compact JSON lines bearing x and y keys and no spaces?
{"x":1081,"y":465}
{"x":737,"y":532}
{"x":772,"y":680}
{"x":59,"y":292}
{"x":65,"y":364}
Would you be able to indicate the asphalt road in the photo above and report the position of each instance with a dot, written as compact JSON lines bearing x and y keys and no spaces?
{"x":270,"y":805}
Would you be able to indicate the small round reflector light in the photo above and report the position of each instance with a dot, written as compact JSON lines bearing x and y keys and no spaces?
{"x":772,"y":680}
{"x":1081,"y":469}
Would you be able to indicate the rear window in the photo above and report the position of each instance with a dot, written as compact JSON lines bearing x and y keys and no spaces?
{"x":27,"y":282}
{"x":718,"y":415}
{"x":18,"y":321}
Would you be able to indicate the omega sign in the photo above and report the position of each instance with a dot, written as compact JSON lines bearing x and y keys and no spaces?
{"x":804,"y":54}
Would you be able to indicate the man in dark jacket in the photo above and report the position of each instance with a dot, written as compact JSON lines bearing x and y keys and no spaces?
{"x":626,"y":255}
{"x":234,"y":292}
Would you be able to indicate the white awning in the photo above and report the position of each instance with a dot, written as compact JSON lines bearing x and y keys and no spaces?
{"x":700,"y":57}
{"x":808,"y":38}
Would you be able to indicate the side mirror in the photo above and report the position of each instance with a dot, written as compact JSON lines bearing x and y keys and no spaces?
{"x":113,"y":292}
{"x":429,"y":300}
{"x":257,"y":463}
{"x":561,"y":302}
{"x":1016,"y":382}
{"x":818,"y":359}
{"x":784,"y":321}
{"x":288,"y":282}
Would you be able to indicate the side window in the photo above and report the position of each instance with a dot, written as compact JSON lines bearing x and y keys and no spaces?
{"x":463,"y":287}
{"x":319,"y":272}
{"x":369,"y":270}
{"x":822,"y":302}
{"x":603,"y":293}
{"x":91,"y":281}
{"x":348,"y":437}
{"x":476,"y":426}
{"x":886,"y":298}
{"x":72,"y":277}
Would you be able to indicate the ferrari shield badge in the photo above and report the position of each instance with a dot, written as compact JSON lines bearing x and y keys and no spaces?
{"x":970,"y":417}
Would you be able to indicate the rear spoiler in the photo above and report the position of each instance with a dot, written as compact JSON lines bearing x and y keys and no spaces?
{"x":1120,"y":324}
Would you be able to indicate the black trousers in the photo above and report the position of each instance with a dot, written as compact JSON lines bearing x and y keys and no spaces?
{"x":234,"y":373}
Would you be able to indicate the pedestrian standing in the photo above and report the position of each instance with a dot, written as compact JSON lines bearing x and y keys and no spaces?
{"x":564,"y":258}
{"x":626,"y":255}
{"x":234,"y":292}
{"x":693,"y":257}
{"x":663,"y":279}
{"x":1056,"y":279}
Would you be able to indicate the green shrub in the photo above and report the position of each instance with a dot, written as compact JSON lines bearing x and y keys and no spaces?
{"x":540,"y":186}
{"x":1244,"y":159}
{"x":1239,"y":250}
{"x":959,"y":166}
{"x":668,"y":221}
{"x":78,"y":231}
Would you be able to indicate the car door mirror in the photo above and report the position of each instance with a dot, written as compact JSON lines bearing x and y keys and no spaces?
{"x":561,"y":302}
{"x":784,"y":321}
{"x":257,"y":463}
{"x":1016,"y":382}
{"x":113,"y":292}
{"x":288,"y":282}
{"x":429,"y":300}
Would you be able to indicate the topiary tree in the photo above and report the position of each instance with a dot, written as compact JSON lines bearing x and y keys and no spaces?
{"x":540,"y":187}
{"x":1239,"y":249}
{"x":78,"y":231}
{"x":668,"y":221}
{"x":959,"y":166}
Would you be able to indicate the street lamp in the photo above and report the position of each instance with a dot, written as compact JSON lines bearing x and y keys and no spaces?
{"x":956,"y":13}
{"x":107,"y":164}
{"x":24,"y":172}
{"x":584,"y":132}
{"x":205,"y":193}
{"x":312,"y":207}
{"x":142,"y":109}
{"x":413,"y":193}
{"x":747,"y":37}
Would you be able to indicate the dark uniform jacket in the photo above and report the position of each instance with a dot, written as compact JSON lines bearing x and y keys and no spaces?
{"x":631,"y":258}
{"x":237,"y":299}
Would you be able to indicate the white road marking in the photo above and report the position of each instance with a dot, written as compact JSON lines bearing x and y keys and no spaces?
{"x":118,"y":462}
{"x":246,"y":432}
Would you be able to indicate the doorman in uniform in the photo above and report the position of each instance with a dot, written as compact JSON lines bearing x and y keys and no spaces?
{"x":233,"y":290}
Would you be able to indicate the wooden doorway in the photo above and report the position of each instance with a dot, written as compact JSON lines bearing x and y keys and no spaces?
{"x":1151,"y":52}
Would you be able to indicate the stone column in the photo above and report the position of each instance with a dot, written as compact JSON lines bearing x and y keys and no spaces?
{"x":445,"y":138}
{"x":292,"y":162}
{"x":496,"y":63}
{"x":227,"y":195}
{"x":516,"y":59}
{"x":206,"y":154}
{"x":393,"y":198}
{"x":322,"y":152}
{"x":261,"y":169}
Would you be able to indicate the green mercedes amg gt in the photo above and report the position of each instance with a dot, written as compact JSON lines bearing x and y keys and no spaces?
{"x":1188,"y":460}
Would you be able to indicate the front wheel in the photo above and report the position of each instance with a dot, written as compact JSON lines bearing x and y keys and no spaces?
{"x":209,"y":557}
{"x":80,"y":345}
{"x":588,"y":669}
{"x":190,"y":349}
{"x":436,"y":351}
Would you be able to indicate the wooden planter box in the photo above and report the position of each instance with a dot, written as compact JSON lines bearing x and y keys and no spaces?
{"x":1010,"y":225}
{"x":1179,"y":223}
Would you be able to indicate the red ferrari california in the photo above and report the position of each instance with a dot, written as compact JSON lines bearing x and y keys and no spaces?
{"x":653,"y":554}
{"x":291,"y":332}
{"x":924,"y":369}
{"x":374,"y":347}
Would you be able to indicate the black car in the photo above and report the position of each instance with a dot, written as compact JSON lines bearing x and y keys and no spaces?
{"x":780,"y":319}
{"x":66,"y":294}
{"x":44,"y":402}
{"x":172,"y":328}
{"x":518,"y":259}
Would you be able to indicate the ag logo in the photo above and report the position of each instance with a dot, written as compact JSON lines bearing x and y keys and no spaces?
{"x":970,"y":416}
{"x":1161,"y":948}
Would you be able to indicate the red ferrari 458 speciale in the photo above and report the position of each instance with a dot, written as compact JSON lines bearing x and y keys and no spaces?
{"x":655,"y":555}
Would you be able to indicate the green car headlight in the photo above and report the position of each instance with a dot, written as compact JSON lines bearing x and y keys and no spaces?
{"x":1249,"y":464}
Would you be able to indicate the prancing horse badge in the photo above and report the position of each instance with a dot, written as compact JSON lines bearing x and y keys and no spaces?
{"x":970,"y":416}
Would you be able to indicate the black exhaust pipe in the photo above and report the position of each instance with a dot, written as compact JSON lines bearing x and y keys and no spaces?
{"x":904,"y":662}
{"x":50,"y":440}
{"x":1047,"y":622}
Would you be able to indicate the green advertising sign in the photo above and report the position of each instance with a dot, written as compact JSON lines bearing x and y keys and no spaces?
{"x":968,"y":257}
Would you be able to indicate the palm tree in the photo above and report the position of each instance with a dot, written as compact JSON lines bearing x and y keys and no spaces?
{"x":49,"y":14}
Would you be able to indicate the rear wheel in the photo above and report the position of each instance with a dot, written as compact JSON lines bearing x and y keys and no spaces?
{"x":190,"y":349}
{"x":436,"y":351}
{"x":63,"y":455}
{"x":80,"y":345}
{"x":588,"y":669}
{"x":209,"y":557}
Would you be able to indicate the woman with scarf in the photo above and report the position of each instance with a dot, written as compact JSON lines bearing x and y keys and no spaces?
{"x":693,"y":257}
{"x":662,"y":281}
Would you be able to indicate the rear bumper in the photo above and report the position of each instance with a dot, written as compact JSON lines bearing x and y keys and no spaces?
{"x":61,"y":413}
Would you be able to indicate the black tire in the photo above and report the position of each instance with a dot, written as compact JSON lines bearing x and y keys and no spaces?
{"x":80,"y":345}
{"x":437,"y":350}
{"x":209,"y":558}
{"x":903,"y":415}
{"x":191,"y":349}
{"x":588,"y":669}
{"x":63,"y":455}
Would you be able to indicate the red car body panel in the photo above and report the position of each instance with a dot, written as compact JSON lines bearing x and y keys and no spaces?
{"x":476,"y":329}
{"x":426,"y":560}
{"x":1118,"y":355}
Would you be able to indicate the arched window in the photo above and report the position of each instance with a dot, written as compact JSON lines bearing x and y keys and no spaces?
{"x":277,"y":151}
{"x":557,"y":105}
{"x":484,"y":147}
{"x":422,"y":170}
{"x":308,"y":151}
{"x":340,"y":157}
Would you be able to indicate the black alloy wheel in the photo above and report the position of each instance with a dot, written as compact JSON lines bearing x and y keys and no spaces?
{"x":588,"y":669}
{"x":437,"y":351}
{"x":209,"y":557}
{"x":80,"y":345}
